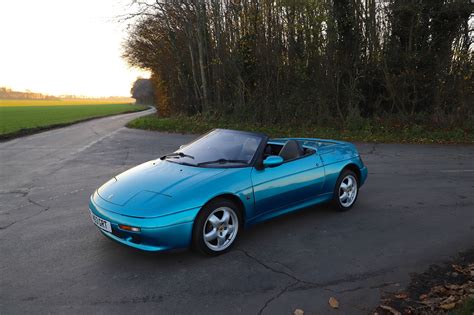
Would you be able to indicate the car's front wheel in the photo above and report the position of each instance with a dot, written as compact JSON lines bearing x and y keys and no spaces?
{"x":216,"y":227}
{"x":346,"y":190}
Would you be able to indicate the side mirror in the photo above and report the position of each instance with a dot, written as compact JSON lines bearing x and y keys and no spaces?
{"x":272,"y":161}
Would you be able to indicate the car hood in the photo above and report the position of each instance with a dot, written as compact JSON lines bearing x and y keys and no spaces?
{"x":141,"y":190}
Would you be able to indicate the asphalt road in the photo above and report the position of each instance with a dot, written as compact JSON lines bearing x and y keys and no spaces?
{"x":417,"y":208}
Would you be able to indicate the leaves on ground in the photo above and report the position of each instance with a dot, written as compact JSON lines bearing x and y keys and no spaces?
{"x":439,"y":290}
{"x":333,"y":302}
{"x":448,"y":306}
{"x":390,"y":309}
{"x":402,"y":295}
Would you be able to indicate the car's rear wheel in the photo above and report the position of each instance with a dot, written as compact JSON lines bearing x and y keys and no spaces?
{"x":216,"y":227}
{"x":346,"y":190}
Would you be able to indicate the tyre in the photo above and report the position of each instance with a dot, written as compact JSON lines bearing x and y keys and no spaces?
{"x":346,"y":190}
{"x":216,"y":227}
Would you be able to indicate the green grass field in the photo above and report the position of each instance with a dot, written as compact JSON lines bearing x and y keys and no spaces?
{"x":18,"y":117}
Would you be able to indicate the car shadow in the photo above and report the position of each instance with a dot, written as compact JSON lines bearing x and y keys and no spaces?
{"x":305,"y":218}
{"x":276,"y":229}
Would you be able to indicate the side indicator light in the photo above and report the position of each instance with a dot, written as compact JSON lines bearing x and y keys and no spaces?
{"x":129,"y":228}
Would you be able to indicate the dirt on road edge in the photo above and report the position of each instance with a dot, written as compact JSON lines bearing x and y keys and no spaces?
{"x":442,"y":289}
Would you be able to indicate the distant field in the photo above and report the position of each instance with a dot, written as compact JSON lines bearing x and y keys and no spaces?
{"x":24,"y":117}
{"x":58,"y":102}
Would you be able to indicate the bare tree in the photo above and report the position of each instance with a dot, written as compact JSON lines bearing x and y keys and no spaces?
{"x":321,"y":60}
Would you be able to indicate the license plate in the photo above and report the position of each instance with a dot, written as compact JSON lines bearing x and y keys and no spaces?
{"x":101,"y":223}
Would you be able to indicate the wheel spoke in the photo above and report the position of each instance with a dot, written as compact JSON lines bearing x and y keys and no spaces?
{"x":344,"y":196}
{"x":350,"y":183}
{"x":344,"y":186}
{"x":210,"y":236}
{"x":214,"y":221}
{"x":220,"y":239}
{"x":225,"y":217}
{"x":230,"y":229}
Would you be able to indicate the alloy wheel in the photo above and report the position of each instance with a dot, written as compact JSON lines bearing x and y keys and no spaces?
{"x":348,"y":191}
{"x":220,"y":229}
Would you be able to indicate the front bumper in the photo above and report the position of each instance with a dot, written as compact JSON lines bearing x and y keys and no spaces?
{"x":156,"y":234}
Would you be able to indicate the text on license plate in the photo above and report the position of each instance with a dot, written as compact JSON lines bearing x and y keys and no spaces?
{"x":101,"y":223}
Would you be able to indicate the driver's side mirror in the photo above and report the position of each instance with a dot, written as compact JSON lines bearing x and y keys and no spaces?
{"x":272,"y":161}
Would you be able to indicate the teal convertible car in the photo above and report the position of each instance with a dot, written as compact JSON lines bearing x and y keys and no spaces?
{"x":204,"y":194}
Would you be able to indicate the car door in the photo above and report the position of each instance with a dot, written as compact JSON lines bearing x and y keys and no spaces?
{"x":288,"y":184}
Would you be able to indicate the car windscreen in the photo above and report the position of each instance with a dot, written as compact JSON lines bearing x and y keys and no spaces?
{"x":220,"y":148}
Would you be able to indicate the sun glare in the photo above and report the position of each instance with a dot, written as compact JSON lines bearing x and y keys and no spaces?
{"x":64,"y":47}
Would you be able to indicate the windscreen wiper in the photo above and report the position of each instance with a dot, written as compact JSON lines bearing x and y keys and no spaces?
{"x":222,"y":161}
{"x":176,"y":155}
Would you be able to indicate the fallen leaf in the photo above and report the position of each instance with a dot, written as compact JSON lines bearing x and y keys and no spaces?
{"x":453,"y":287}
{"x":423,"y":297}
{"x":390,"y":309}
{"x":428,"y":303}
{"x":449,"y":300}
{"x":401,"y":295}
{"x":333,"y":302}
{"x":448,"y":306}
{"x":298,"y":312}
{"x":438,"y":289}
{"x":455,"y":292}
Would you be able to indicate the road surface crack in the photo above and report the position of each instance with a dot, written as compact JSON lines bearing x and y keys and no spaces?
{"x":302,"y":285}
{"x":275,"y":270}
{"x":350,"y":290}
{"x":276,"y":296}
{"x":133,"y":300}
{"x":22,"y":192}
{"x":373,"y":149}
{"x":95,"y":132}
{"x":31,"y":201}
{"x":126,"y":157}
{"x":37,"y":204}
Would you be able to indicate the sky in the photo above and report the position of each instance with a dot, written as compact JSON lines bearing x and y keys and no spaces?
{"x":61,"y":47}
